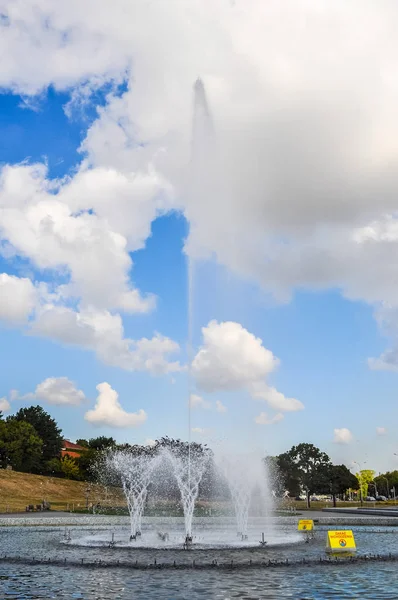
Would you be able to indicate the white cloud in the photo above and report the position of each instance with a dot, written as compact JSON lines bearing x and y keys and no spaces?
{"x":220,"y":407}
{"x":264,"y":419}
{"x":381,"y":430}
{"x":109,"y":412}
{"x":342,"y":436}
{"x":57,"y":391}
{"x":198,"y":402}
{"x":57,"y":233}
{"x":275,"y":399}
{"x":4,"y":405}
{"x":300,"y":189}
{"x":103,"y":333}
{"x":18,"y":298}
{"x":232,"y":358}
{"x":68,"y":229}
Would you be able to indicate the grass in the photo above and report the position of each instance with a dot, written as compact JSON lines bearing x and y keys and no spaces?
{"x":17,"y":490}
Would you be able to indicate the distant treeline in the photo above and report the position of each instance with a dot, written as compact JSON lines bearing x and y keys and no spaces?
{"x":31,"y":441}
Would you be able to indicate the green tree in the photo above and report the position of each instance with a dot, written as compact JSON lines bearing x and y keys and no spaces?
{"x":279,"y":478}
{"x":101,"y":443}
{"x":69,"y":468}
{"x":341,"y":479}
{"x":365,"y":476}
{"x":87,"y":462}
{"x":46,"y":428}
{"x":53,"y":467}
{"x":82,"y":442}
{"x":386,"y":482}
{"x":289,"y":474}
{"x":310,"y":466}
{"x":20,"y":446}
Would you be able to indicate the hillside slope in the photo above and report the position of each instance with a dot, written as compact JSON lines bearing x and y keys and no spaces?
{"x":17,"y":490}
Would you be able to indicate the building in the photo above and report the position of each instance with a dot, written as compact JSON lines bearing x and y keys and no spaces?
{"x":71,"y":449}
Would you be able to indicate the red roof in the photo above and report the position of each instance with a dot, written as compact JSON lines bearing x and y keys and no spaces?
{"x":67,"y":445}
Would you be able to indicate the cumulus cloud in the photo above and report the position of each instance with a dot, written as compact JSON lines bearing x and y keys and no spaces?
{"x":56,"y":233}
{"x":108,"y":411}
{"x":196,"y":401}
{"x":63,"y":229}
{"x":220,"y":407}
{"x":57,"y":391}
{"x":264,"y":419}
{"x":304,"y":172}
{"x":381,"y":430}
{"x":275,"y":399}
{"x":342,"y":436}
{"x":232,"y":358}
{"x":18,"y":298}
{"x":103,"y":333}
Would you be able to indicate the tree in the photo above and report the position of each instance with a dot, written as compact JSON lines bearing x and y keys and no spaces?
{"x":87,"y":462}
{"x":101,"y":443}
{"x":386,"y":482}
{"x":69,"y":468}
{"x":310,"y":466}
{"x":46,"y":428}
{"x":365,"y":477}
{"x":82,"y":442}
{"x":278,"y":477}
{"x":341,"y":479}
{"x":20,"y":446}
{"x":53,"y":467}
{"x":289,"y":474}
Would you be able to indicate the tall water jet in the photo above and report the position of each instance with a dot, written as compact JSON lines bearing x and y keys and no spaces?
{"x":135,"y":473}
{"x":202,"y":141}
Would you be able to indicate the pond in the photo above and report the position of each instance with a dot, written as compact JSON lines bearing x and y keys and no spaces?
{"x":284,"y":570}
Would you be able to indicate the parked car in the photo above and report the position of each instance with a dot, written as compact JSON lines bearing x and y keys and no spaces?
{"x":381,"y":499}
{"x":314,"y":499}
{"x":370,"y":499}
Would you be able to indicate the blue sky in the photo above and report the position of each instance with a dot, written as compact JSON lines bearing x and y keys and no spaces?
{"x":286,"y":210}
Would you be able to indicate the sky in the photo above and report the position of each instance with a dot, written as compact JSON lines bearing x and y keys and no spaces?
{"x":198,"y":208}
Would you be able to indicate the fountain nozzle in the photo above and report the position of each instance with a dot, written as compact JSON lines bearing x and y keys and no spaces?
{"x":263,"y":542}
{"x":188,"y":541}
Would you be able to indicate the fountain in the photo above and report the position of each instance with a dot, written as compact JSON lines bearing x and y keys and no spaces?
{"x":173,"y":464}
{"x":245,"y":475}
{"x":186,"y":463}
{"x":188,"y":467}
{"x":241,"y":492}
{"x":135,"y":473}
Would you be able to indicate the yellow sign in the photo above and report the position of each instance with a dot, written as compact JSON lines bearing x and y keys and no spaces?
{"x":340,"y":541}
{"x":305,"y":525}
